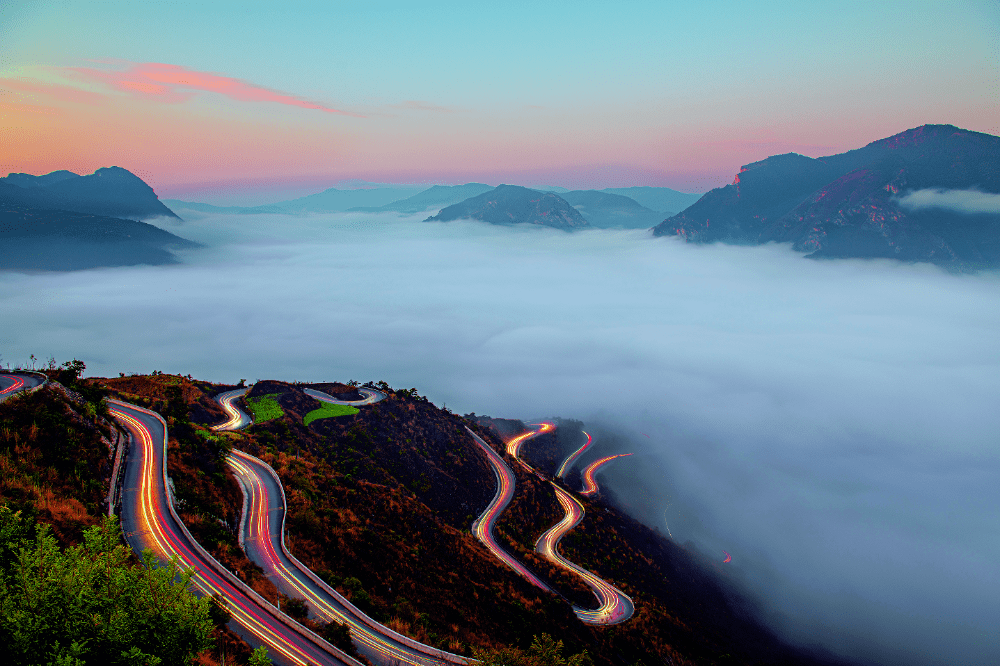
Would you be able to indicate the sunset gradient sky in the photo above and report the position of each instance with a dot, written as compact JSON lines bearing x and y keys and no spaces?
{"x":239,"y":100}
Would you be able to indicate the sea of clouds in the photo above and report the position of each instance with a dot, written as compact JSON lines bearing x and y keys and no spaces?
{"x":833,"y":425}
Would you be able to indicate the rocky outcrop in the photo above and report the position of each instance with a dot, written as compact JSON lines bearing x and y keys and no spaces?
{"x":855,"y":204}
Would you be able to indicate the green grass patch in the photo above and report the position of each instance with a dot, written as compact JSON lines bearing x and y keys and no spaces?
{"x":328,"y":410}
{"x":264,"y":407}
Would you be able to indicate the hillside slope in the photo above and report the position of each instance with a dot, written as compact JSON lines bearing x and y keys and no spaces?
{"x":855,"y":204}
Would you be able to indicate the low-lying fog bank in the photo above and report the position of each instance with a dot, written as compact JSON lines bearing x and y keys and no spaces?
{"x":832,"y":425}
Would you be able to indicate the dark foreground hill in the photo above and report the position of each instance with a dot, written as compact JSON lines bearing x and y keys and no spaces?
{"x":379,"y":504}
{"x":110,"y":192}
{"x":59,"y":240}
{"x":854,"y":204}
{"x":512,"y":204}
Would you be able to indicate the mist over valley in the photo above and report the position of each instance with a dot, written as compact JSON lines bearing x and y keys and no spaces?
{"x":828,"y":424}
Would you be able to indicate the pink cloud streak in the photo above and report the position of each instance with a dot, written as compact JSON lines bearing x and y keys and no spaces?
{"x":174,"y":84}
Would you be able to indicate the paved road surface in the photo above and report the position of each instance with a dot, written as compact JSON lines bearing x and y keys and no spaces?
{"x":149,"y":521}
{"x":13,"y":382}
{"x":263,"y":541}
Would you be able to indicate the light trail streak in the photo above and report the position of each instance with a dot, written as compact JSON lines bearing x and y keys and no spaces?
{"x":371,"y":396}
{"x":514,"y":445}
{"x":375,"y":639}
{"x":614,"y":605}
{"x":16,"y":386}
{"x":589,"y":484}
{"x":729,"y":558}
{"x":573,"y":456}
{"x":483,"y":526}
{"x":237,"y":417}
{"x":153,"y":517}
{"x":292,"y":577}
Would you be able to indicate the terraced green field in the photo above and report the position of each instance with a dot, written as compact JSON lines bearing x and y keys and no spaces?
{"x":265,"y":407}
{"x":327,"y":411}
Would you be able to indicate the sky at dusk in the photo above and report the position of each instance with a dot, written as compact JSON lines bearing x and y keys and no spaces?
{"x":246,"y":99}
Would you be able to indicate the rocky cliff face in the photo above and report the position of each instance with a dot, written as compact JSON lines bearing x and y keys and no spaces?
{"x":855,"y":204}
{"x":511,"y":204}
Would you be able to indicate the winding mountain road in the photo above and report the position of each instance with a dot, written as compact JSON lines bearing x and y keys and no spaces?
{"x":483,"y":526}
{"x":589,"y":483}
{"x":149,"y":520}
{"x":571,"y":458}
{"x":614,"y":606}
{"x":371,"y":396}
{"x":13,"y":382}
{"x":263,"y":540}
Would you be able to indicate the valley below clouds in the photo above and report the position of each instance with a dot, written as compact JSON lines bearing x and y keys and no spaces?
{"x":831,"y":424}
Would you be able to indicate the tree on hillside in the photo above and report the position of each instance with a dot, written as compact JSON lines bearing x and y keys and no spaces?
{"x":544,"y":651}
{"x":89,"y":604}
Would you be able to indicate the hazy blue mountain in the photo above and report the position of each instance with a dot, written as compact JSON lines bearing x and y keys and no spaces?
{"x":603,"y":209}
{"x":512,"y":204}
{"x":436,"y":197}
{"x":854,"y":204}
{"x":334,"y":200}
{"x":209,"y":208}
{"x":58,"y":240}
{"x":111,"y":191}
{"x":331,"y":200}
{"x":660,"y":199}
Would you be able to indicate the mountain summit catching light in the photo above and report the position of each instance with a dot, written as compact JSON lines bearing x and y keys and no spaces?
{"x":861,"y":204}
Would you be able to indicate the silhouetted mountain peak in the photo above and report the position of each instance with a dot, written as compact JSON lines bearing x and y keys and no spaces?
{"x":849,"y":204}
{"x":28,"y":180}
{"x":918,"y":135}
{"x":109,"y":191}
{"x":513,"y":204}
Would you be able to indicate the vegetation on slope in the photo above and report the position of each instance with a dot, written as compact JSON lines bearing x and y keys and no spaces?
{"x":380,"y":504}
{"x":91,"y":602}
{"x":328,"y":410}
{"x":264,"y":408}
{"x":56,"y":455}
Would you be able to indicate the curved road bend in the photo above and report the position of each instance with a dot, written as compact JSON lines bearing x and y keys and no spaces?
{"x":615,"y":606}
{"x":149,"y":521}
{"x":237,"y":417}
{"x":589,"y":483}
{"x":514,"y":445}
{"x":371,"y":396}
{"x":12,"y":382}
{"x":568,"y":463}
{"x":483,"y":526}
{"x":263,"y":538}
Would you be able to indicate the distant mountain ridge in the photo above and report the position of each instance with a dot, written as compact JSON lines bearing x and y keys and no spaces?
{"x":605,"y":210}
{"x":513,"y":204}
{"x":110,"y":191}
{"x":660,"y":199}
{"x":853,"y":204}
{"x":437,"y":196}
{"x":59,"y":240}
